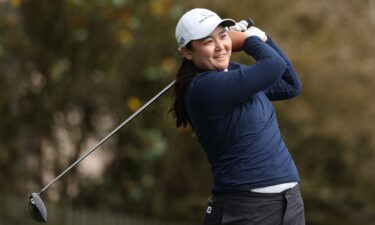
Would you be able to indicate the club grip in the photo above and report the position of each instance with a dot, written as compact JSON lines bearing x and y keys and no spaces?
{"x":250,"y":22}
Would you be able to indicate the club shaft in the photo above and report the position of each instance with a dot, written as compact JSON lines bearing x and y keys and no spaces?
{"x":108,"y":136}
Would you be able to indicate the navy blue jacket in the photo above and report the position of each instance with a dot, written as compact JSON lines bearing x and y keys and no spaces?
{"x":235,"y":122}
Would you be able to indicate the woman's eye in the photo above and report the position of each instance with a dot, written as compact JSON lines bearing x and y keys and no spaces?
{"x":207,"y":42}
{"x":223,"y":36}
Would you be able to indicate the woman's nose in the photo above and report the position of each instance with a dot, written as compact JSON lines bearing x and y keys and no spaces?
{"x":219,"y":45}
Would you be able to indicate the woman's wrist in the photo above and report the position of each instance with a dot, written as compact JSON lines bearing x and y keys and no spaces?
{"x":238,"y":38}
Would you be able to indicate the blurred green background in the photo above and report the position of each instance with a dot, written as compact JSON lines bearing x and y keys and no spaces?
{"x":72,"y":70}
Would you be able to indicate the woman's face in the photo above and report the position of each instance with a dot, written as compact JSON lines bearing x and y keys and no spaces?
{"x":212,"y":52}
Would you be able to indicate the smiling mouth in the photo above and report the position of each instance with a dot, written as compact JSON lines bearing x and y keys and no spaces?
{"x":220,"y":56}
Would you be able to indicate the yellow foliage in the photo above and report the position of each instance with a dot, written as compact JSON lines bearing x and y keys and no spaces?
{"x":159,"y":7}
{"x":133,"y":103}
{"x":124,"y":37}
{"x":15,"y":3}
{"x":168,"y":65}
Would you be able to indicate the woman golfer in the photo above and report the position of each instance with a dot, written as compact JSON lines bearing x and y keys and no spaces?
{"x":228,"y":105}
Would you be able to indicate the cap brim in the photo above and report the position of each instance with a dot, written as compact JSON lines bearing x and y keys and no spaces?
{"x":228,"y":22}
{"x":224,"y":22}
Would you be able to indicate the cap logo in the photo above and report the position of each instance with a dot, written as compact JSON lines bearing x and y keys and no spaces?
{"x":181,"y":41}
{"x":206,"y":15}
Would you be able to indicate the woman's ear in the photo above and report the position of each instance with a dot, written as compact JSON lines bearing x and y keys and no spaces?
{"x":186,"y":53}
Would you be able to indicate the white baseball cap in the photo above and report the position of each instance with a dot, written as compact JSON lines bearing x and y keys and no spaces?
{"x":197,"y":24}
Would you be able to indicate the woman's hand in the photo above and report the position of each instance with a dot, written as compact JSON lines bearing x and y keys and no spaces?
{"x":255,"y":31}
{"x":238,"y":38}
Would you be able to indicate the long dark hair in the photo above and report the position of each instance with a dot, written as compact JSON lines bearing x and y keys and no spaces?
{"x":185,"y":74}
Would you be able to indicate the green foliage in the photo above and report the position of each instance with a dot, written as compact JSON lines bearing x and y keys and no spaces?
{"x":71,"y":70}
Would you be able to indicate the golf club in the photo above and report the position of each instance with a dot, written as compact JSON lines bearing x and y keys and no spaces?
{"x":36,"y":206}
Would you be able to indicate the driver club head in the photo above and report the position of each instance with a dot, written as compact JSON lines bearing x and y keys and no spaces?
{"x":37,"y":209}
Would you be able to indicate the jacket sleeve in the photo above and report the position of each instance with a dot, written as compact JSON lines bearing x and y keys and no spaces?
{"x":289,"y":85}
{"x":216,"y":90}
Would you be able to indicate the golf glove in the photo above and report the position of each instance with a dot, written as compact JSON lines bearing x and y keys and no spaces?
{"x":254,"y":31}
{"x":240,"y":26}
